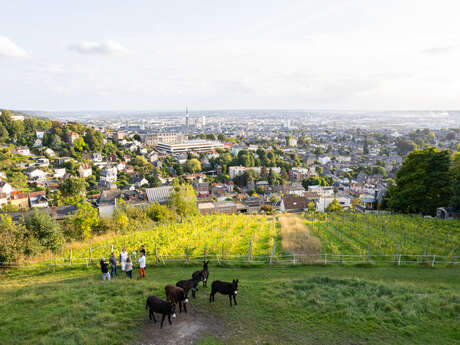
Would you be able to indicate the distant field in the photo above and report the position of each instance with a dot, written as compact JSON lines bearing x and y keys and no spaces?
{"x":276,"y":305}
{"x":230,"y":235}
{"x":385,"y":234}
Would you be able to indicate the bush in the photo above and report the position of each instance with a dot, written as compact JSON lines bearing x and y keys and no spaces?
{"x":45,"y":229}
{"x":11,"y":240}
{"x":159,"y":213}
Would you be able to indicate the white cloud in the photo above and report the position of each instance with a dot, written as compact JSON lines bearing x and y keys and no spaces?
{"x":9,"y":48}
{"x":445,"y":49}
{"x":103,"y":48}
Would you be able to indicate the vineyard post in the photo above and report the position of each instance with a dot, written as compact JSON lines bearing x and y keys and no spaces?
{"x":453,"y":256}
{"x":273,"y":252}
{"x":70,"y":257}
{"x":249,"y":251}
{"x":205,"y":253}
{"x":156,"y":255}
{"x":86,"y":259}
{"x":397,"y":253}
{"x":427,"y":248}
{"x":432,"y":262}
{"x":112,"y":249}
{"x":186,"y":255}
{"x":325,"y":258}
{"x":222,"y":251}
{"x":293,"y":258}
{"x":91,"y":251}
{"x":51,"y":257}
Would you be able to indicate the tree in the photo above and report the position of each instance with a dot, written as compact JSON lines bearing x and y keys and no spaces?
{"x":365,"y":147}
{"x":268,"y":209}
{"x":18,"y":180}
{"x":79,"y":144}
{"x":159,"y":213}
{"x":45,"y":229}
{"x":183,"y":201}
{"x":73,"y":189}
{"x":85,"y":219}
{"x":334,"y":206}
{"x":311,"y":206}
{"x":404,"y":146}
{"x":11,"y":240}
{"x":423,"y":182}
{"x":193,"y":165}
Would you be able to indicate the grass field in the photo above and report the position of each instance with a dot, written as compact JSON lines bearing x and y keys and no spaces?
{"x":277,"y":305}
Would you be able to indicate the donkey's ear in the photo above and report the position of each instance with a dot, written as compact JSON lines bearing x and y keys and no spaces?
{"x":237,"y":280}
{"x":233,"y":280}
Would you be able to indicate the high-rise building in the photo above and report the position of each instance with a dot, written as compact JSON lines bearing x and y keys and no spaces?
{"x":187,"y":118}
{"x":203,"y":121}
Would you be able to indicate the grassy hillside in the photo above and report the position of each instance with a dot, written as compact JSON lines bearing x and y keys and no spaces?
{"x":352,"y":233}
{"x":277,"y":305}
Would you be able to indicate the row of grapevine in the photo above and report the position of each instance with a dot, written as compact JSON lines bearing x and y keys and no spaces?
{"x":227,"y":235}
{"x":384,"y":234}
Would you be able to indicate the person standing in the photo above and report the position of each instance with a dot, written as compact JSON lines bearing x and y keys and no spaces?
{"x":142,"y":250}
{"x":129,"y":268}
{"x":142,"y":265}
{"x":104,"y":269}
{"x":123,"y":258}
{"x":113,"y":265}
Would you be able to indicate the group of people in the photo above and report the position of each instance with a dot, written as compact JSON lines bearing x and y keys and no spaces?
{"x":125,"y":262}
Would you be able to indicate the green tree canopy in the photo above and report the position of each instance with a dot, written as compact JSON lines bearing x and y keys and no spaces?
{"x":423,"y":182}
{"x":183,"y":201}
{"x":193,"y":165}
{"x":44,"y":228}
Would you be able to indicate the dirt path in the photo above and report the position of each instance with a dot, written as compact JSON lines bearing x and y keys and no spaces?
{"x":186,"y":329}
{"x":296,"y":237}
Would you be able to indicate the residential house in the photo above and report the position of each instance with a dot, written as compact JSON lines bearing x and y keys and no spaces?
{"x":59,"y":172}
{"x":201,"y":189}
{"x":50,"y":152}
{"x":227,"y":207}
{"x":97,"y":157}
{"x":23,"y":150}
{"x":20,"y":200}
{"x":36,"y":174}
{"x":3,"y":199}
{"x":43,"y":162}
{"x":38,"y":200}
{"x":253,"y":204}
{"x":5,"y":188}
{"x":139,"y":181}
{"x":71,"y":137}
{"x":112,"y":158}
{"x":109,"y":174}
{"x":85,"y":170}
{"x":62,"y":160}
{"x":293,"y":203}
{"x":109,"y":200}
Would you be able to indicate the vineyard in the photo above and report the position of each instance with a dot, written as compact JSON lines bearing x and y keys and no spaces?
{"x":217,"y":236}
{"x":384,"y":235}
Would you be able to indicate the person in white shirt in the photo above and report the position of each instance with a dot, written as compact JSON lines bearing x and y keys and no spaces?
{"x":142,"y":265}
{"x":123,"y":258}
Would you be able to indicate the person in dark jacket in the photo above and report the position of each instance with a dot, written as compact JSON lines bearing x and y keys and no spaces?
{"x":142,"y":250}
{"x":113,"y":265}
{"x":104,"y":269}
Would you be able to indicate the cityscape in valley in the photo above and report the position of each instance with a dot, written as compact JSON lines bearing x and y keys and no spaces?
{"x":236,"y":161}
{"x":230,"y":172}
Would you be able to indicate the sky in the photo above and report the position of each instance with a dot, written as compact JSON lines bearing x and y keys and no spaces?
{"x":249,"y":54}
